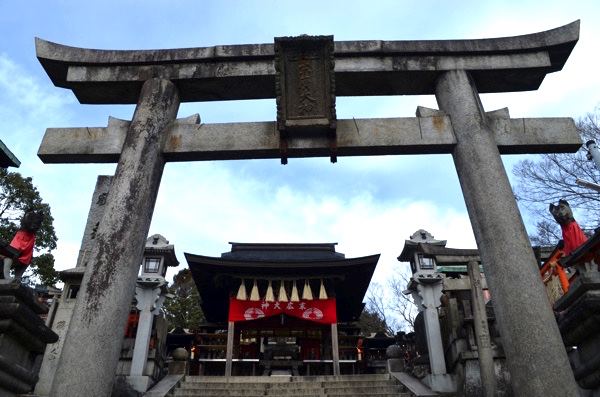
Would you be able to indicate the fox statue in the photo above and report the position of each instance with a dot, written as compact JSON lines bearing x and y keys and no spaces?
{"x":572,"y":234}
{"x":23,"y":241}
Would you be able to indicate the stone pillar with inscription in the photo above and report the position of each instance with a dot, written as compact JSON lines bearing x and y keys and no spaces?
{"x":72,"y":279}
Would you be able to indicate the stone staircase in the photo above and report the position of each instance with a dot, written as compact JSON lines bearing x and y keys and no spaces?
{"x":306,"y":386}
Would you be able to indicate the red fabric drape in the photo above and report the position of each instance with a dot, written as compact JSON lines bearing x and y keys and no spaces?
{"x":321,"y":311}
{"x":573,"y":236}
{"x":24,"y":241}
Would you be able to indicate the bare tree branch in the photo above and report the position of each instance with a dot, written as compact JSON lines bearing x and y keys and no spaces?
{"x":552,"y":177}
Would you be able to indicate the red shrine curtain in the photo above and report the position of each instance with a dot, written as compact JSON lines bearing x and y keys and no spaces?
{"x":318,"y":310}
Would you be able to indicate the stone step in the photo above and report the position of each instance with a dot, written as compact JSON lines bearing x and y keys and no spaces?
{"x":208,"y":394}
{"x":239,"y":379}
{"x":296,"y":392}
{"x":380,"y":385}
{"x":286,"y":379}
{"x":331,"y":385}
{"x":216,"y":393}
{"x":363,"y":390}
{"x":232,"y":386}
{"x":287,"y":386}
{"x":330,"y":378}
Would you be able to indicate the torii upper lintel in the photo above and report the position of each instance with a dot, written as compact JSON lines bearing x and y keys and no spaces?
{"x":362,"y":68}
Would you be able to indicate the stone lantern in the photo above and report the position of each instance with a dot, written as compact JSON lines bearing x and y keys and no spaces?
{"x":158,"y":256}
{"x":426,"y":286}
{"x":150,"y":293}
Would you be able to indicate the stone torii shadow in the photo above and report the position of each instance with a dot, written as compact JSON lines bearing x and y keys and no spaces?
{"x":305,"y":74}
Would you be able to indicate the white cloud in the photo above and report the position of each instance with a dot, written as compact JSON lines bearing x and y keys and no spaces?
{"x":208,"y":209}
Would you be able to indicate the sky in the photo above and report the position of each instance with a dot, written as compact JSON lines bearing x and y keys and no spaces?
{"x":368,"y":205}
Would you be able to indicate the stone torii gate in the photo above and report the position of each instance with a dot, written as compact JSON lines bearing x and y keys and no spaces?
{"x":305,"y":74}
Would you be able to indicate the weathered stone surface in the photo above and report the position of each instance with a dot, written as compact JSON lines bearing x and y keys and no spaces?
{"x":72,"y":279}
{"x":105,"y":297}
{"x":482,"y":333}
{"x":529,"y":331}
{"x":94,"y":216}
{"x":432,"y":134}
{"x":362,"y":67}
{"x":23,"y":336}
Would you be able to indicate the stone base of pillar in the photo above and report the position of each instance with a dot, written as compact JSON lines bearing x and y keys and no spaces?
{"x":443,"y":383}
{"x":579,"y":324}
{"x":395,"y":365}
{"x":178,"y":367}
{"x":472,"y":386}
{"x":139,"y":383}
{"x":23,"y":335}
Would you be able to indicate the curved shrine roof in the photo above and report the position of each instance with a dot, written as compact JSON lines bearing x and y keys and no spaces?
{"x":217,"y":279}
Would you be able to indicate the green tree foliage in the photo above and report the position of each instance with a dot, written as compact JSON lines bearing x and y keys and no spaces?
{"x":18,"y":195}
{"x":552,"y":177}
{"x":184,"y":309}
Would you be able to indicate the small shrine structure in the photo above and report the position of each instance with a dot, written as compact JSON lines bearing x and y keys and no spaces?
{"x":287,"y":308}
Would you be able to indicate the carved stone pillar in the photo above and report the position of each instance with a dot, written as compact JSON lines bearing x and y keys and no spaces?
{"x":150,"y":294}
{"x":93,"y":343}
{"x":529,"y":332}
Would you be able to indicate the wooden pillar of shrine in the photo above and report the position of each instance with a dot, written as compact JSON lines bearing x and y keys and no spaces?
{"x":335,"y":349}
{"x":229,"y":352}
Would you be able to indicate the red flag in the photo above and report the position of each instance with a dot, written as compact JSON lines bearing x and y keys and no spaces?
{"x":321,"y":311}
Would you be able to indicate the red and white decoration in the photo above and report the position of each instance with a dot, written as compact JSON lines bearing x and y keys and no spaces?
{"x":321,"y":311}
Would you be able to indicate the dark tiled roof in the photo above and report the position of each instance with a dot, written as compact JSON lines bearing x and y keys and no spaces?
{"x":219,"y":278}
{"x":7,"y":158}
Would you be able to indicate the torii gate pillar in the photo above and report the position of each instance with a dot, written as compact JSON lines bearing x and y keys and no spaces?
{"x":109,"y":282}
{"x":520,"y":302}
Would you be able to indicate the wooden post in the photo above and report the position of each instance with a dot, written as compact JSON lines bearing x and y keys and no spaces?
{"x":335,"y":349}
{"x":229,"y":353}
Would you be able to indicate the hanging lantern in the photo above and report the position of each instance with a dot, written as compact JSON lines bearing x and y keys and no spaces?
{"x":270,"y":297}
{"x":322,"y":292}
{"x":282,"y":295}
{"x":307,"y":293}
{"x":241,"y":295}
{"x":254,"y":293}
{"x":294,"y":297}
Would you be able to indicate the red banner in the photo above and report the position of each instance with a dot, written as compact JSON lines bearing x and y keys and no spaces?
{"x":321,"y":311}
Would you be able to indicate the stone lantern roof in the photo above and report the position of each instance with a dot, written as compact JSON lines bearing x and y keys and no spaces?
{"x":158,"y":245}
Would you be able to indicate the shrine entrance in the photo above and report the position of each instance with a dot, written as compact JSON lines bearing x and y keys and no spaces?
{"x":279,"y":345}
{"x":305,"y":74}
{"x":281,"y":307}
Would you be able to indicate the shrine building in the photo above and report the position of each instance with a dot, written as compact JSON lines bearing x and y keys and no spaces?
{"x":280,"y":309}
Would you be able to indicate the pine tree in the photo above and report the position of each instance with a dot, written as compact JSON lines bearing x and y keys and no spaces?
{"x":184,"y":309}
